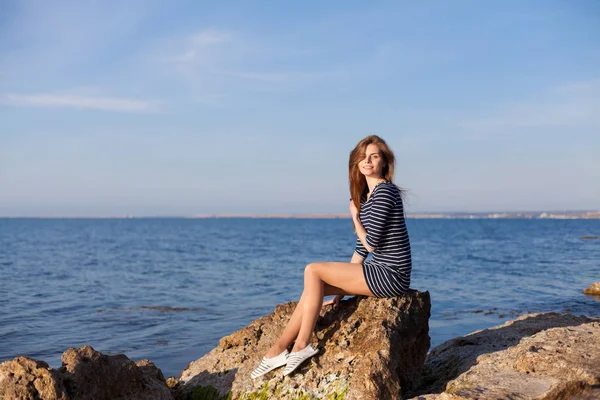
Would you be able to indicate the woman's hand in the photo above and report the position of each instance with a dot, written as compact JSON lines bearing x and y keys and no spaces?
{"x":335,"y":301}
{"x":353,"y":211}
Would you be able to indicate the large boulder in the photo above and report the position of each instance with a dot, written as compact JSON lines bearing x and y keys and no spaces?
{"x":370,"y":349}
{"x":24,"y":378}
{"x":536,"y":356}
{"x":85,"y":375}
{"x":90,"y":375}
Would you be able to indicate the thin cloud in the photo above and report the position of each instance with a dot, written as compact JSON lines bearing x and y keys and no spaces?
{"x":288,"y":76}
{"x":81,"y":102}
{"x":256,"y":76}
{"x":228,"y":54}
{"x":201,"y":44}
{"x":579,"y":88}
{"x":576,"y":104}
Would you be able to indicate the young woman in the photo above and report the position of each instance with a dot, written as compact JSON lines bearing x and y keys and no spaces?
{"x":378,"y":215}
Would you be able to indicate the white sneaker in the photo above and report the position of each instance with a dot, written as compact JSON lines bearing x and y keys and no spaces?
{"x":269,"y":364}
{"x":298,"y":357}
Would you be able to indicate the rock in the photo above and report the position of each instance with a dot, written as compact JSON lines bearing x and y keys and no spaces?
{"x":172,"y":382}
{"x":154,"y":380}
{"x":85,"y":375}
{"x":593,"y":289}
{"x":27,"y":379}
{"x":370,"y":349}
{"x":536,"y":356}
{"x":88,"y":374}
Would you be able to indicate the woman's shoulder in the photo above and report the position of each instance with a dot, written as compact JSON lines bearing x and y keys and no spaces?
{"x":388,"y":187}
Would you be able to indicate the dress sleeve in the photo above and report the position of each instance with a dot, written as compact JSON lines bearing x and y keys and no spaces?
{"x":384,"y":201}
{"x":360,"y":249}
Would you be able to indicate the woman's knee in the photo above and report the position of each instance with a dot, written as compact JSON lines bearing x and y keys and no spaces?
{"x":311,"y":269}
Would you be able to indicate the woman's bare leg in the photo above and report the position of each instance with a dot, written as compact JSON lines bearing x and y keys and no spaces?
{"x":348,"y":277}
{"x":292,"y":328}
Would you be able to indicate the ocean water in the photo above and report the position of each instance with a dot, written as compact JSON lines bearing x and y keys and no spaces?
{"x":169,"y":289}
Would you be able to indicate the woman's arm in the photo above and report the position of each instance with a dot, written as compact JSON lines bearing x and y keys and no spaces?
{"x":359,"y":249}
{"x":361,"y":232}
{"x":384,"y":201}
{"x":357,"y":258}
{"x":362,"y":247}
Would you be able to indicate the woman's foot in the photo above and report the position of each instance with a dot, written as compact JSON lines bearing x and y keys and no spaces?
{"x":295,"y":358}
{"x":269,"y":364}
{"x":275,"y":350}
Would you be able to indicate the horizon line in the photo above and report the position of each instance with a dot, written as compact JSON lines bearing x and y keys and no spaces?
{"x":307,"y":215}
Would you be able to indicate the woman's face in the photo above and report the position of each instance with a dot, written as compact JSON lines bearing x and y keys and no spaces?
{"x":372,"y":165}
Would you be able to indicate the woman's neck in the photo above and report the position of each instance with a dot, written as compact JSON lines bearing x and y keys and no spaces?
{"x":372,"y":182}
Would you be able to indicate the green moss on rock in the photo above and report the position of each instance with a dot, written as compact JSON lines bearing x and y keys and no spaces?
{"x":264,"y":393}
{"x":261,"y":394}
{"x":338,"y":395}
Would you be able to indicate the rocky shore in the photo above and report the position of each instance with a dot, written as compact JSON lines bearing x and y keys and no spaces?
{"x":537,"y":356}
{"x":370,"y":349}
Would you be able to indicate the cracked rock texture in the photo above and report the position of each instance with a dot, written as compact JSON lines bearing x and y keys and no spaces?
{"x":537,"y":356}
{"x":370,"y":349}
{"x":85,"y":374}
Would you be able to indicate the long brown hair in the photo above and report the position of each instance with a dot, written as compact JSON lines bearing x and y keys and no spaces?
{"x":358,"y":182}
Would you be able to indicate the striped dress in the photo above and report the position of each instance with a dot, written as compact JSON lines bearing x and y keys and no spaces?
{"x":388,"y":272}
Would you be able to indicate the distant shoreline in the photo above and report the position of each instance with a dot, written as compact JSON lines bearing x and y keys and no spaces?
{"x":429,"y":215}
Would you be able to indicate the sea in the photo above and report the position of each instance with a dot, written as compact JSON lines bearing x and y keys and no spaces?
{"x":167,"y":289}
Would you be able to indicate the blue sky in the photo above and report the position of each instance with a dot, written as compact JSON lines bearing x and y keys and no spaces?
{"x":189,"y":107}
